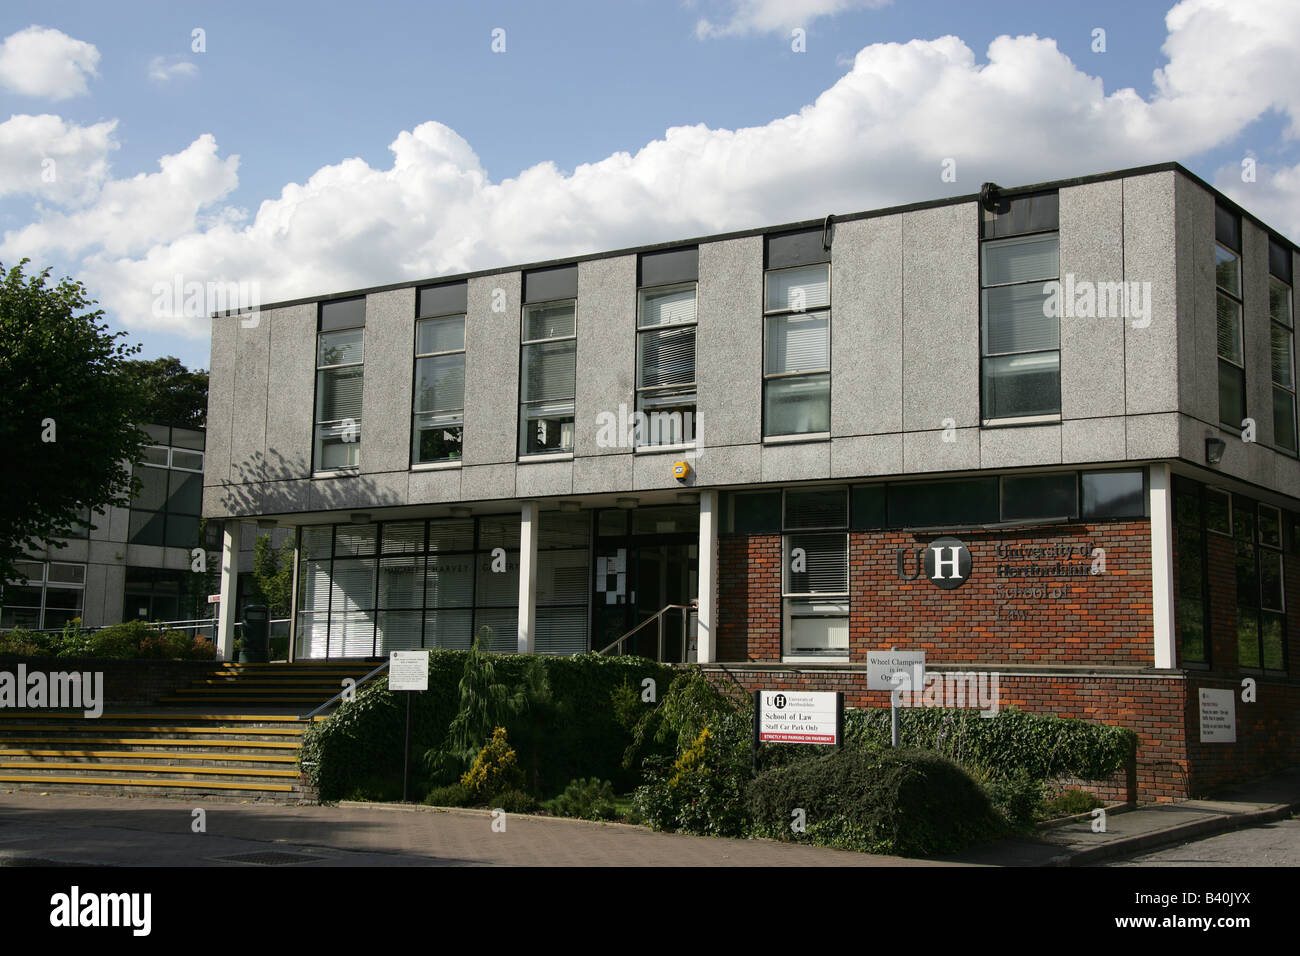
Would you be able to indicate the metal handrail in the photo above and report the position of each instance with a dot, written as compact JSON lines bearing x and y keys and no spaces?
{"x":346,"y":690}
{"x":686,"y":610}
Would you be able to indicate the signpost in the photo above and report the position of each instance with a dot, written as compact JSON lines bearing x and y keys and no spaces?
{"x":797,"y":717}
{"x":895,"y":671}
{"x":408,"y":671}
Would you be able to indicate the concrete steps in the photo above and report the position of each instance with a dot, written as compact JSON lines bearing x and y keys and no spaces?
{"x":192,"y":744}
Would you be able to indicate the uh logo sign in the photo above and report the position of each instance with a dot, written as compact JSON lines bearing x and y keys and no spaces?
{"x":945,"y":561}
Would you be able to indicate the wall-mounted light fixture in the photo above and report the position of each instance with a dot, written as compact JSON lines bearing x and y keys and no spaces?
{"x":627,"y":504}
{"x":459,"y":511}
{"x":266,"y":524}
{"x":570,"y":506}
{"x":359,"y":517}
{"x":1214,"y":448}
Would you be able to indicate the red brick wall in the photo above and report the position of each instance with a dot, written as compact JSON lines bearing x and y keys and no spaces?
{"x":749,"y":597}
{"x":1098,"y":619}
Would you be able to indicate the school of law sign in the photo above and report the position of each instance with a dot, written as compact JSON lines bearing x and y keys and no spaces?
{"x":799,"y":717}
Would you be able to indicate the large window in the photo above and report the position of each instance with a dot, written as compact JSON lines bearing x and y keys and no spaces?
{"x":439,"y":398}
{"x":339,"y":363}
{"x":46,"y":594}
{"x":365,"y":590}
{"x":665,"y":364}
{"x":797,"y":351}
{"x":1193,"y":592}
{"x":1020,"y":331}
{"x":1227,"y":277}
{"x":1261,"y":618}
{"x":167,"y":509}
{"x":1282,"y":346}
{"x":815,"y":573}
{"x":548,"y":367}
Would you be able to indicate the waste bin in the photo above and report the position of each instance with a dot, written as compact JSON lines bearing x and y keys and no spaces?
{"x":255,"y":646}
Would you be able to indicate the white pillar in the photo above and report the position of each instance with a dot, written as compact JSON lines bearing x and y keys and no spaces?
{"x":226,"y":610}
{"x":1162,"y":561}
{"x":706,"y":644}
{"x":527,"y":577}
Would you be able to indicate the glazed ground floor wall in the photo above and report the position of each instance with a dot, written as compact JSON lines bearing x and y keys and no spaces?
{"x":1161,"y":707}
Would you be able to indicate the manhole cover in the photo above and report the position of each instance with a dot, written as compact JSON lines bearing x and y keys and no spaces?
{"x":269,"y":858}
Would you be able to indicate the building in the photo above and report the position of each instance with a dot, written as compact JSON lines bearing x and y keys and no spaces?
{"x":1045,"y":432}
{"x":132,"y":562}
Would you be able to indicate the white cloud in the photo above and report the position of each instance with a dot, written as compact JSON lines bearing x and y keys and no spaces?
{"x":877,"y":137}
{"x":41,"y":61}
{"x":776,"y":16}
{"x":53,"y":159}
{"x":163,"y":69}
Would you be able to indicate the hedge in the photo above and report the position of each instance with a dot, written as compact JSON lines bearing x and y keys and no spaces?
{"x":1011,"y":743}
{"x":129,"y":640}
{"x":875,"y":800}
{"x":358,"y":750}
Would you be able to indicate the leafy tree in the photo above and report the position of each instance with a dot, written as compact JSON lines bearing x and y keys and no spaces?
{"x":273,"y":574}
{"x":173,"y":395}
{"x":68,"y":407}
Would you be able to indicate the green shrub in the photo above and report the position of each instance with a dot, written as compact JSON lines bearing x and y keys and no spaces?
{"x":877,"y":800}
{"x":590,"y":799}
{"x":1042,"y":746}
{"x":1068,"y":803}
{"x":581,"y":738}
{"x":514,"y":801}
{"x":452,"y":795}
{"x":495,"y":769}
{"x":1018,"y":796}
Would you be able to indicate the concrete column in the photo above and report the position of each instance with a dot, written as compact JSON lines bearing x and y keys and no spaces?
{"x":226,"y":610}
{"x":1162,"y":571}
{"x":527,"y":577}
{"x":706,"y":643}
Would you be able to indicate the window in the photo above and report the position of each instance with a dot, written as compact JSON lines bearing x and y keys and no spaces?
{"x":339,"y":363}
{"x":1193,"y":593}
{"x":438,"y":416}
{"x":797,"y":353}
{"x":1282,"y":346}
{"x":548,"y":368}
{"x":665,"y":364}
{"x":1020,"y":334}
{"x":45,"y":595}
{"x":166,"y":511}
{"x":1261,"y":618}
{"x":815,"y":573}
{"x":1040,"y":497}
{"x":1218,"y":511}
{"x":1114,"y":494}
{"x":1227,"y":277}
{"x":938,"y":504}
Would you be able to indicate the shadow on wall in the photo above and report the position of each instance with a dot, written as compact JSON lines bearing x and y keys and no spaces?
{"x":271,"y":484}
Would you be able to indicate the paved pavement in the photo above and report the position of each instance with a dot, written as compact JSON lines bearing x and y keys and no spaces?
{"x":132,"y":831}
{"x":135,"y":831}
{"x":1128,"y":832}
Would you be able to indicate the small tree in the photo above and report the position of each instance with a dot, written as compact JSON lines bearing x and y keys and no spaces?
{"x":485,"y":703}
{"x":68,"y":412}
{"x":273,"y":575}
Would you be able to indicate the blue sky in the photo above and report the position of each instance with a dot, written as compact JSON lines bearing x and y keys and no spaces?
{"x":390,"y":142}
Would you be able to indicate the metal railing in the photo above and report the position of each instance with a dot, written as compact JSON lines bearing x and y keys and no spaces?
{"x":658,"y":618}
{"x":346,"y":691}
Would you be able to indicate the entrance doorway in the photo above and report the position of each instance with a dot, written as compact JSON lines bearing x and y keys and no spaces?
{"x":652,"y":563}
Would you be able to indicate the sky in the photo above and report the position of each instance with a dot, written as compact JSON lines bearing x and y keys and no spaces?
{"x":153,"y":150}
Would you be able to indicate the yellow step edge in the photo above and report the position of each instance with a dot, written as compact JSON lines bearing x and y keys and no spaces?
{"x":46,"y":715}
{"x":140,"y":768}
{"x":187,"y":784}
{"x":145,"y":755}
{"x":155,"y":742}
{"x":101,"y":727}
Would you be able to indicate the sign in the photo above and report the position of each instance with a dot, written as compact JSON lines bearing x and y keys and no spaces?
{"x":1218,"y":716}
{"x":945,"y":562}
{"x":883,"y":665}
{"x":214,"y":598}
{"x":408,"y":670}
{"x":798,"y":717}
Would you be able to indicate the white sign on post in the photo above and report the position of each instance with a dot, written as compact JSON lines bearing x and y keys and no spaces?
{"x":408,"y":670}
{"x":882,"y":666}
{"x":796,"y":717}
{"x":1218,"y":716}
